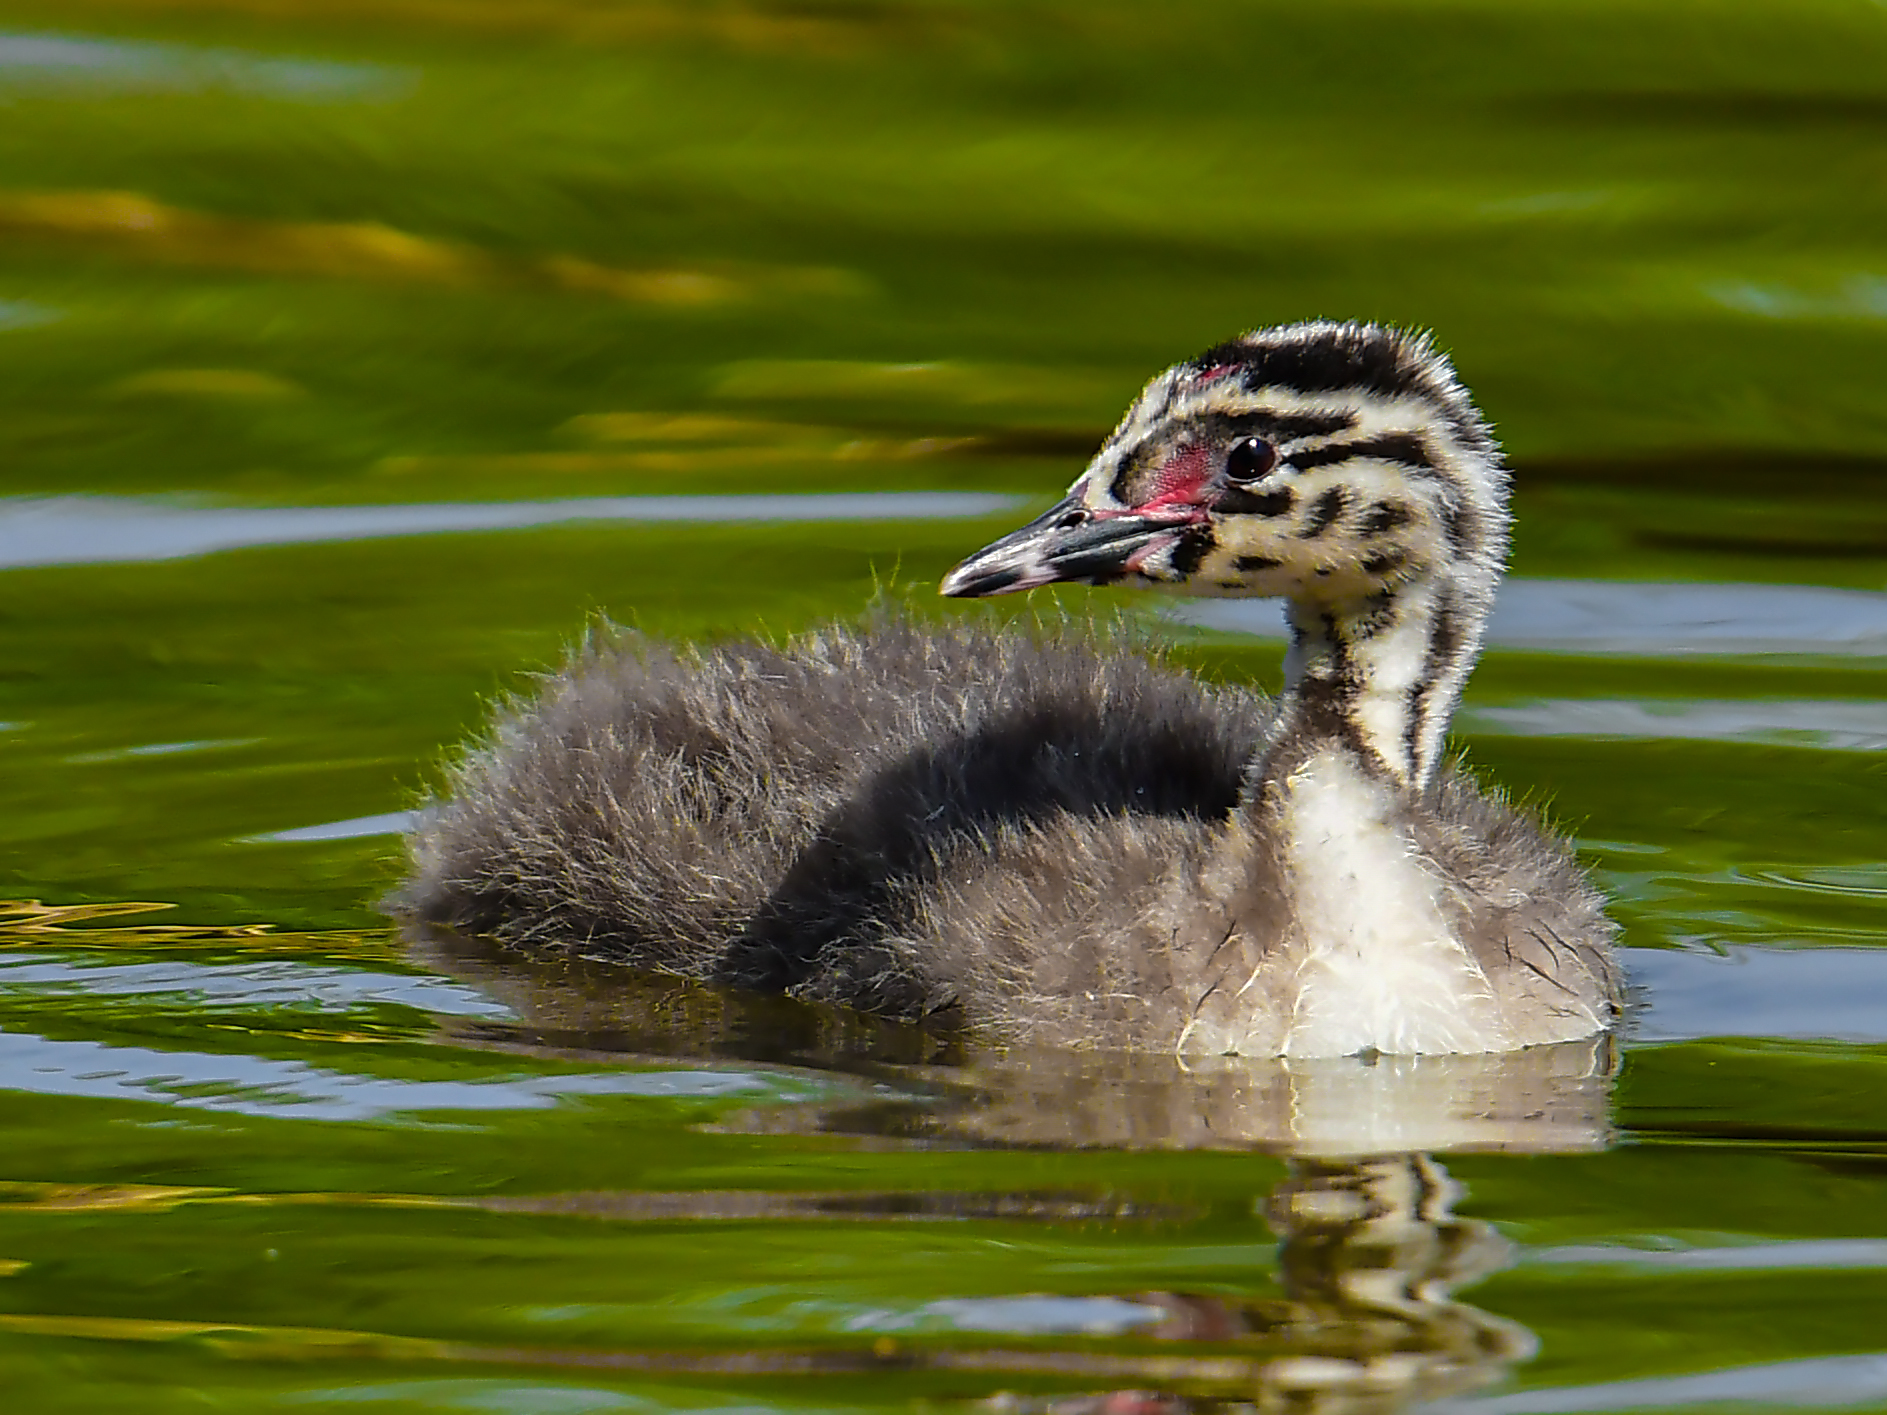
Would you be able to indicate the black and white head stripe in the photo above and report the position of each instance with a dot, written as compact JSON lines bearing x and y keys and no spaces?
{"x":1322,"y":356}
{"x":1342,"y":467}
{"x":1320,"y":392}
{"x":1386,"y":513}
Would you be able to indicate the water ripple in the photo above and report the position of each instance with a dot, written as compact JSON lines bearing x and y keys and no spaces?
{"x":251,"y":983}
{"x":1837,"y":725}
{"x":252,"y":1085}
{"x":90,"y":530}
{"x":84,"y":66}
{"x":1825,"y":1381}
{"x":1604,"y":616}
{"x":1806,"y":993}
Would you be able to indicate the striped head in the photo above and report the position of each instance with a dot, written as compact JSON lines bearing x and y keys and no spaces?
{"x":1340,"y":467}
{"x":1318,"y":462}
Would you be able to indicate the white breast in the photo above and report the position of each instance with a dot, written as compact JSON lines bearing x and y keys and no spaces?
{"x":1377,"y":964}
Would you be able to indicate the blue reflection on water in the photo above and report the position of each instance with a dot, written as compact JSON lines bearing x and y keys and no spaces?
{"x":1806,"y":993}
{"x":83,"y":65}
{"x":25,"y":314}
{"x":1812,"y":1253}
{"x":254,"y":982}
{"x":254,"y":1085}
{"x":356,"y":828}
{"x":1820,"y":1381}
{"x":90,"y":530}
{"x":1857,"y":725}
{"x":1605,"y":616}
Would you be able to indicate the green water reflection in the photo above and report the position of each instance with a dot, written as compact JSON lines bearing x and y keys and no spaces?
{"x":279,"y":253}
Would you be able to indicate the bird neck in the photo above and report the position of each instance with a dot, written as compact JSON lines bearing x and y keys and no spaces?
{"x":1379,"y":674}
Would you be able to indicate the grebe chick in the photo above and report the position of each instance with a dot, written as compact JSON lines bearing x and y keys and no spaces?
{"x":1034,"y":837}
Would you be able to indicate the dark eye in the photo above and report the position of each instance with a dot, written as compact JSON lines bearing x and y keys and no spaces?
{"x":1250,"y":459}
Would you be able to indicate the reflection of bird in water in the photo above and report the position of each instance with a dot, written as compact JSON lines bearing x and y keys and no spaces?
{"x":1370,"y":1252}
{"x":1043,"y":839}
{"x":946,"y":1089}
{"x":1369,"y":1257}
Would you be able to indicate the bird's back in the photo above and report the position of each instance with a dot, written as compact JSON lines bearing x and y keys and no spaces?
{"x":741,"y":811}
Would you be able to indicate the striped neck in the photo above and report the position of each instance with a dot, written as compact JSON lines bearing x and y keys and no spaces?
{"x":1380,"y":674}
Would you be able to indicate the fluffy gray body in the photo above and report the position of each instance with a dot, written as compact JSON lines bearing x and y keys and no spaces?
{"x":1047,"y":838}
{"x":1042,"y":837}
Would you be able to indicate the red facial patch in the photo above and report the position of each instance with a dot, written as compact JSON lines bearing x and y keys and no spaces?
{"x":1179,"y":479}
{"x":1216,"y":371}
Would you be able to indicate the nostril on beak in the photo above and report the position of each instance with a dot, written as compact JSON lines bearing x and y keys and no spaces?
{"x":1071,"y":520}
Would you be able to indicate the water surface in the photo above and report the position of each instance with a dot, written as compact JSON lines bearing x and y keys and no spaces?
{"x":353,"y":359}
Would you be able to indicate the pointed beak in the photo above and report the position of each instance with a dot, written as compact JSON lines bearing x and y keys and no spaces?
{"x":1068,"y":542}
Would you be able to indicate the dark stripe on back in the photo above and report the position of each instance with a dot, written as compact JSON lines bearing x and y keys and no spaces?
{"x":1406,"y":448}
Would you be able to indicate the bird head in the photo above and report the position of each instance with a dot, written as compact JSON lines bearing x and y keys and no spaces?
{"x":1322,"y":461}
